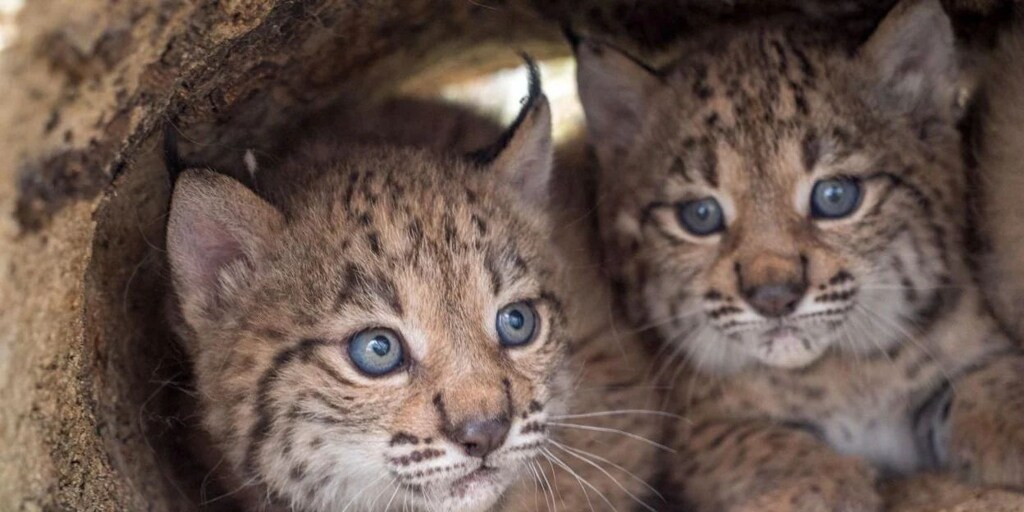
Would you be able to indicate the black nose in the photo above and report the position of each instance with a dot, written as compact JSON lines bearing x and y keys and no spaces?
{"x":775,"y":299}
{"x":481,"y":437}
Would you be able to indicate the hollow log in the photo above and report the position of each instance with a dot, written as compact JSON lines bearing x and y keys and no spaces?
{"x":93,"y":392}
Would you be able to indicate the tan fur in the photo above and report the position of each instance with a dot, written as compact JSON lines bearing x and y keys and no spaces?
{"x":887,"y":357}
{"x":356,"y":236}
{"x":611,"y":372}
{"x":1000,"y":155}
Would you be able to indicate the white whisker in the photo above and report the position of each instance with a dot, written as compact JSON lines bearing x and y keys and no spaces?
{"x":361,"y":491}
{"x":581,"y":480}
{"x":398,"y":487}
{"x":613,"y":431}
{"x":585,"y":453}
{"x":617,"y":412}
{"x":536,"y":485}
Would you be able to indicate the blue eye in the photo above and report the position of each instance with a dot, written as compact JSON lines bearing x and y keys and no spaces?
{"x":701,"y":217}
{"x":834,"y":198}
{"x":516,"y":324}
{"x":376,"y":351}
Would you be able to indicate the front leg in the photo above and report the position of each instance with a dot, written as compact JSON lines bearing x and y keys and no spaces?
{"x":756,"y":465}
{"x":984,"y":424}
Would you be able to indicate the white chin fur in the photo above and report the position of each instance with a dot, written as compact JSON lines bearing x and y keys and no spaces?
{"x":477,"y":498}
{"x":788,"y":352}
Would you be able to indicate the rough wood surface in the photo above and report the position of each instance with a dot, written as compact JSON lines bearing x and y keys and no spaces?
{"x":90,"y":387}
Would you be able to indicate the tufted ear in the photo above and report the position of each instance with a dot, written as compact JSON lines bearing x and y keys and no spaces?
{"x":217,"y":230}
{"x":615,"y":91}
{"x":524,"y":155}
{"x":911,"y":62}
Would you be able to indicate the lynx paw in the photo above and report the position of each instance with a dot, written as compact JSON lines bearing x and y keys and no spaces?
{"x":986,"y":425}
{"x":816,"y":495}
{"x":932,"y":429}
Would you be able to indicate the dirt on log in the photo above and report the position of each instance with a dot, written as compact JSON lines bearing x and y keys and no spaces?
{"x":93,"y":393}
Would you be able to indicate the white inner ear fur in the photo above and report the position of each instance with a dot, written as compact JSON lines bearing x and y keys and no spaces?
{"x":215,"y":224}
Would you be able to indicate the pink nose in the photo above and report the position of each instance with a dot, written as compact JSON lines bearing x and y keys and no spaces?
{"x":481,"y":437}
{"x":775,"y":299}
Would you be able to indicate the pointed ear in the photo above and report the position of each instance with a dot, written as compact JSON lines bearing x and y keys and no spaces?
{"x":911,"y":60}
{"x":216,"y":231}
{"x":524,"y":154}
{"x":615,"y":91}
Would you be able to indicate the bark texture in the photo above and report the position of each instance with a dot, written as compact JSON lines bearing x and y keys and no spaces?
{"x":92,"y":391}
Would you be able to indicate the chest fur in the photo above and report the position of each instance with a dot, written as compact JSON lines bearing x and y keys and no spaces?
{"x":865,"y":407}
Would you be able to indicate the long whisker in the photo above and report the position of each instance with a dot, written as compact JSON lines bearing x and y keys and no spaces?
{"x":617,"y":412}
{"x":610,"y":477}
{"x":584,"y":481}
{"x":532,"y":465}
{"x":703,"y":356}
{"x":913,"y":339}
{"x":612,"y":431}
{"x":398,"y":487}
{"x":379,"y":494}
{"x":874,"y":340}
{"x":556,"y":489}
{"x":361,"y":491}
{"x":592,"y":455}
{"x":680,"y":355}
{"x":660,"y":322}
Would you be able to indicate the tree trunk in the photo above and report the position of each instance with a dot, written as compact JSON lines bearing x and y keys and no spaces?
{"x":94,"y":393}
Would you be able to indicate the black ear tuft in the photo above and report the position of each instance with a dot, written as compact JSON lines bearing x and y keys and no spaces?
{"x":486,"y":155}
{"x":172,"y":159}
{"x":570,"y":35}
{"x":522,"y":158}
{"x":534,"y":79}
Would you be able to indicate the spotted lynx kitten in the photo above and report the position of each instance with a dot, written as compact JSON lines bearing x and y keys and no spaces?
{"x":789,"y":215}
{"x":389,"y":327}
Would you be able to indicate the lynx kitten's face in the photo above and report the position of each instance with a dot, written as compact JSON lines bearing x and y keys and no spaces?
{"x":769,"y":199}
{"x":386,"y":336}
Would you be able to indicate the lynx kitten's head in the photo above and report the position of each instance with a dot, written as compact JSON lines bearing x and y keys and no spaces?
{"x":387,"y":333}
{"x":770,"y":197}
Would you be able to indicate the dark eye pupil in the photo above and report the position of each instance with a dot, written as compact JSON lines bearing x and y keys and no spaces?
{"x":376,"y":351}
{"x":380,"y":346}
{"x":516,"y":320}
{"x":703,"y":211}
{"x":516,"y":324}
{"x":702,"y":216}
{"x":834,"y":194}
{"x":834,"y":198}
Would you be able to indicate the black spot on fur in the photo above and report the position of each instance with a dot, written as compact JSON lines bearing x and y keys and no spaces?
{"x":265,"y":407}
{"x":810,"y":150}
{"x":709,"y":167}
{"x":297,"y":472}
{"x":404,"y":438}
{"x":373,"y":239}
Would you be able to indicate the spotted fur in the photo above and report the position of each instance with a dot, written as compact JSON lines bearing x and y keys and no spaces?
{"x":805,"y":403}
{"x":347,"y":237}
{"x":271,"y":287}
